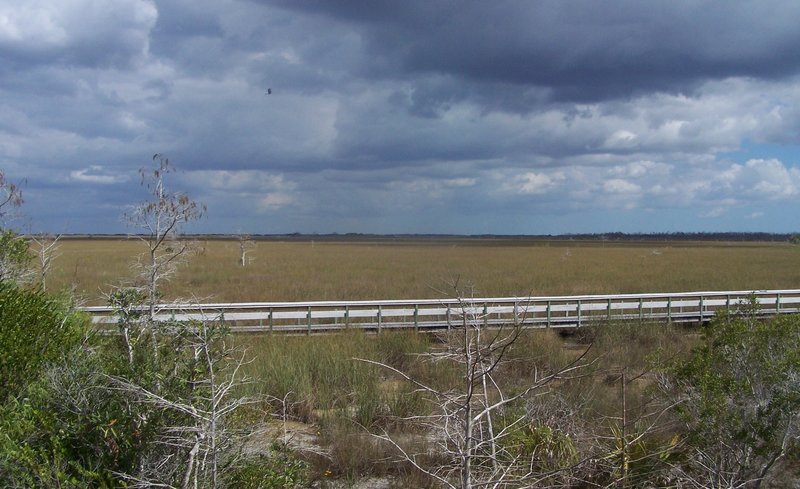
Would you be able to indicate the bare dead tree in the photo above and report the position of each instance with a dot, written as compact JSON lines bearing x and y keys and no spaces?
{"x":200,"y":442}
{"x":464,"y":422}
{"x":246,"y":245}
{"x":47,"y":250}
{"x":160,"y":220}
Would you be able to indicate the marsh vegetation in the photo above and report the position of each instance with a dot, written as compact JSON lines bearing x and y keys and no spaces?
{"x":352,"y":270}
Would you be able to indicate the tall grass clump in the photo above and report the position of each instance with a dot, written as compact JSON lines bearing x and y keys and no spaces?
{"x":622,"y":352}
{"x":634,"y":343}
{"x":537,"y":351}
{"x":317,"y":375}
{"x":312,"y":374}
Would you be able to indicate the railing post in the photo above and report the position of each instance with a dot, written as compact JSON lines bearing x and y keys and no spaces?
{"x":416,"y":318}
{"x":308,"y":317}
{"x":669,"y":309}
{"x":778,"y":303}
{"x":380,"y":314}
{"x":702,"y":316}
{"x":346,"y":317}
{"x":485,"y":315}
{"x":270,"y":320}
{"x":447,"y":317}
{"x":608,"y":310}
{"x":548,"y":313}
{"x":579,"y":313}
{"x":641,"y":312}
{"x":516,"y":313}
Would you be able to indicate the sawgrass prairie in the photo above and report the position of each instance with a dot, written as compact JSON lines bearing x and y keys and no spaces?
{"x":305,"y":270}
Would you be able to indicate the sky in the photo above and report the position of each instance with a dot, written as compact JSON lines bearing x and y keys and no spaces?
{"x":413,"y":116}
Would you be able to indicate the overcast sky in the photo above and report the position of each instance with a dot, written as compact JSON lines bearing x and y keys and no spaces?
{"x":506,"y":117}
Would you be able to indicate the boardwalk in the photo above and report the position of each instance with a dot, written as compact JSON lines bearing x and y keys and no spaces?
{"x":428,"y":314}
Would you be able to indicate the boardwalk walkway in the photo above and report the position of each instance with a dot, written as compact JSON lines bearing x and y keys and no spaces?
{"x":428,"y":314}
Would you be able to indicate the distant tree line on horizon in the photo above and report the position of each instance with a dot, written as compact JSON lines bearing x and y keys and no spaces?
{"x":613,"y":236}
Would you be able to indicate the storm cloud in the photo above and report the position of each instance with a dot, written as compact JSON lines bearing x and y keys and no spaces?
{"x":407,"y":117}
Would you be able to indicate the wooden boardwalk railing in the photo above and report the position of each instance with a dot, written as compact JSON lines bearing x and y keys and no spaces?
{"x":428,"y":314}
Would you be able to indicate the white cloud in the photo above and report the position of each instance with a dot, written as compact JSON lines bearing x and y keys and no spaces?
{"x":620,"y":186}
{"x":772,"y":179}
{"x":274,"y":201}
{"x":712,"y":186}
{"x":639,"y":169}
{"x":538,"y":183}
{"x":31,"y":22}
{"x":77,"y":29}
{"x":621,"y":139}
{"x":97,"y":174}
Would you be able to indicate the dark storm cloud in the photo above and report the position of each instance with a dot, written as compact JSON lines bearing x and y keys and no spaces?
{"x":576,"y":50}
{"x":405,"y":116}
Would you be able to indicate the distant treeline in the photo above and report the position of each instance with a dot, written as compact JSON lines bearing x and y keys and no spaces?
{"x":728,"y":236}
{"x":614,"y":236}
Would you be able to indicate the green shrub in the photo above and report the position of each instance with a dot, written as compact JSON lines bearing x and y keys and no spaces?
{"x":64,"y":430}
{"x":739,"y":396}
{"x":35,"y":330}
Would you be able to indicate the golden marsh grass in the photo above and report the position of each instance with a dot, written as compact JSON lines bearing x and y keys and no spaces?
{"x":345,"y":270}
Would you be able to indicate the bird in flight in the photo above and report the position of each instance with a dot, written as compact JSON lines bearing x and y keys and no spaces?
{"x":269,"y":91}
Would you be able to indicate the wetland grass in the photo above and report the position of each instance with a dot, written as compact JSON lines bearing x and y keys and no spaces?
{"x":305,"y":271}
